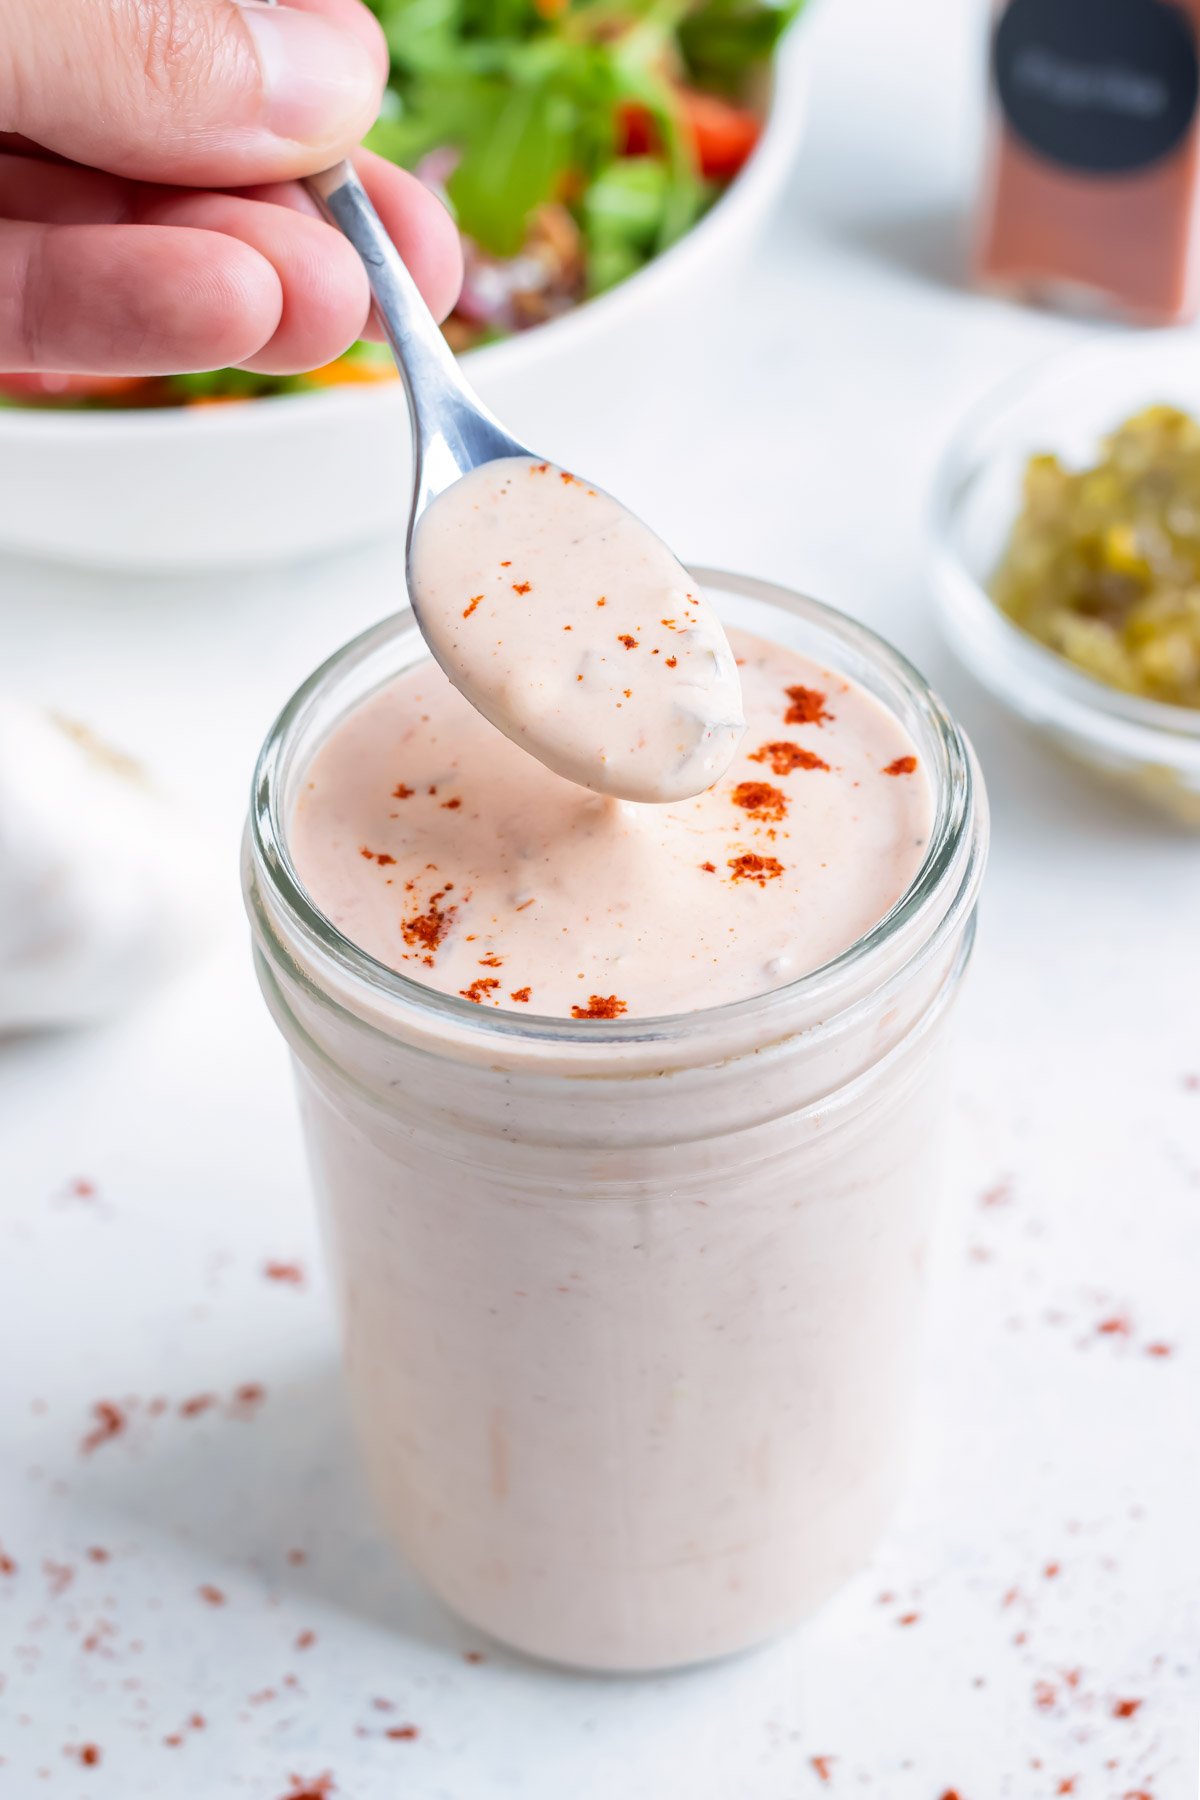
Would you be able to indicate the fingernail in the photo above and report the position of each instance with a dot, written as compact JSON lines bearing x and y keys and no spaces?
{"x":319,"y":82}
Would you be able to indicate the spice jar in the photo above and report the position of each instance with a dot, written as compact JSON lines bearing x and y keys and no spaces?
{"x":631,"y":1307}
{"x":1093,"y":184}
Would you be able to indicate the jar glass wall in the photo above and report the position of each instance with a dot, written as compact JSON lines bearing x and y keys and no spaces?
{"x":630,"y":1308}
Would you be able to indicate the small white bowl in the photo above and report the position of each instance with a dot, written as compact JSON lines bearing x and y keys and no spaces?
{"x":1065,"y":405}
{"x":291,"y":476}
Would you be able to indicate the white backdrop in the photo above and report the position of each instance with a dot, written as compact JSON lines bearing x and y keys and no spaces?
{"x":1047,"y":1547}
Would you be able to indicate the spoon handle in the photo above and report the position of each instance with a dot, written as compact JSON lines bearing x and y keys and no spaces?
{"x":452,"y":429}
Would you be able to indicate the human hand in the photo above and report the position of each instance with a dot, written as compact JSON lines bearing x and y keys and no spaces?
{"x":124,"y":126}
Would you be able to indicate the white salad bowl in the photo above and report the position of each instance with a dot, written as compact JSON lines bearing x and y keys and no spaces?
{"x":281,"y":478}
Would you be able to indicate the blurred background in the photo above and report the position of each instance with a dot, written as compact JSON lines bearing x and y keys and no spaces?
{"x":782,"y":392}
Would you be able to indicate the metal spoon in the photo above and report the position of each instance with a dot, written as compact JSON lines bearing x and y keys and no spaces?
{"x":452,"y":430}
{"x":659,"y":732}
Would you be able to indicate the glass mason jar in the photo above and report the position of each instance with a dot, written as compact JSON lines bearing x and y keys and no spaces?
{"x":631,"y":1308}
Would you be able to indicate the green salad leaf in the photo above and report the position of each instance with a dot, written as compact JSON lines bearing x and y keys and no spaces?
{"x":724,"y":40}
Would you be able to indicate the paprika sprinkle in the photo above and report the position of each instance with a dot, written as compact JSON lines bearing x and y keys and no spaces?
{"x":760,"y":799}
{"x":784,"y":757}
{"x":751,"y":867}
{"x":600,"y":1007}
{"x":806,"y":706}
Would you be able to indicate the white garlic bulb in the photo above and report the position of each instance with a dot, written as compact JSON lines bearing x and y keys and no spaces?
{"x":102,"y":889}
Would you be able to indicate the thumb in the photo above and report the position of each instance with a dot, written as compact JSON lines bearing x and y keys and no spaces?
{"x":191,"y":92}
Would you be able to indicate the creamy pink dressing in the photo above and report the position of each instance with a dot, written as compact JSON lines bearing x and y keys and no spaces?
{"x":446,"y":852}
{"x":570,"y":626}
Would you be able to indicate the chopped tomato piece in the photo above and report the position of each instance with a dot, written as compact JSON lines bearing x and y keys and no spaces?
{"x":53,"y":387}
{"x":724,"y":134}
{"x":636,"y":135}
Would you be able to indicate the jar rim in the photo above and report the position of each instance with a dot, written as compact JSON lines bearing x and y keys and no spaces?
{"x":957,"y":831}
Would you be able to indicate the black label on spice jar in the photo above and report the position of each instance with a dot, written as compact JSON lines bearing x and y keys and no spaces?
{"x":1102,"y":86}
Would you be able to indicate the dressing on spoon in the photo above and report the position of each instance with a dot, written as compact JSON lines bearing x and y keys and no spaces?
{"x":572,"y":628}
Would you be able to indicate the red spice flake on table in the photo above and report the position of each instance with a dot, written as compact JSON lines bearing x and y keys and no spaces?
{"x":760,"y":799}
{"x":603,"y":600}
{"x":480,"y":989}
{"x":784,"y":757}
{"x":522,"y":587}
{"x":1159,"y":1350}
{"x":1125,"y":1709}
{"x":110,"y":1423}
{"x":627,"y":638}
{"x":59,"y":1576}
{"x":823,"y":1765}
{"x":709,"y":868}
{"x":1045,"y":1696}
{"x":297,"y":1558}
{"x":672,"y":662}
{"x":806,"y":706}
{"x":290,"y":1272}
{"x":88,"y":1754}
{"x":319,"y":1788}
{"x":305,"y":1640}
{"x":378,"y":856}
{"x":211,"y":1594}
{"x":491,"y":961}
{"x":401,"y":792}
{"x":1117,"y":1326}
{"x":1051,"y":1570}
{"x":1066,"y":1785}
{"x":521,"y":995}
{"x":469,"y":608}
{"x":425,"y":930}
{"x":403,"y":1734}
{"x":195,"y":1723}
{"x":199,"y":1403}
{"x":7,"y":1565}
{"x":82,"y":1189}
{"x":751,"y":867}
{"x":474,"y":1656}
{"x":247,"y":1399}
{"x":909,"y":1618}
{"x":96,"y":1553}
{"x":903,"y":765}
{"x":451,"y":805}
{"x":999,"y":1195}
{"x":600,"y":1006}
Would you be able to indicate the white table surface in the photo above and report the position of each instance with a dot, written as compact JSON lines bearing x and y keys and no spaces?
{"x":1048,"y":1543}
